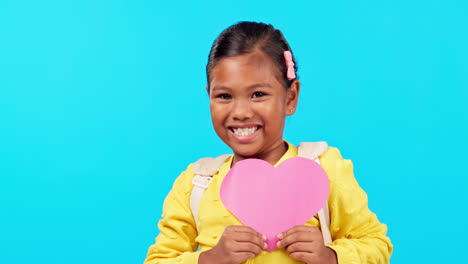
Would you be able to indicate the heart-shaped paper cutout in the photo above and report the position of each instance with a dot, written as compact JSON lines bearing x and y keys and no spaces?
{"x":273,"y":199}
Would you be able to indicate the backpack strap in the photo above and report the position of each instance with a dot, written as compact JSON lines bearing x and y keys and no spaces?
{"x":204,"y":169}
{"x":312,"y":150}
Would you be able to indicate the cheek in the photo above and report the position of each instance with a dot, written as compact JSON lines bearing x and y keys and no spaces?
{"x":274,"y":115}
{"x":217,"y":114}
{"x":213,"y":108}
{"x":272,"y":110}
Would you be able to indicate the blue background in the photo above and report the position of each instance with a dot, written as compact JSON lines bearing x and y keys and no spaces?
{"x":102,"y":105}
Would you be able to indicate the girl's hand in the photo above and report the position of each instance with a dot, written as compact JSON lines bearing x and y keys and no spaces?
{"x":236,"y":245}
{"x":305,"y":243}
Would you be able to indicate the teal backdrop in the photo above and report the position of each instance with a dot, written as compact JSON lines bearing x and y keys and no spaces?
{"x":102,"y":105}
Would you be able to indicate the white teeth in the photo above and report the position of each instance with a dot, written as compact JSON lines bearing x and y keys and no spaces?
{"x":244,"y":131}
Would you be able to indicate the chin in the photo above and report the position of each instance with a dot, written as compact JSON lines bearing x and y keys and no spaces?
{"x":245,"y":151}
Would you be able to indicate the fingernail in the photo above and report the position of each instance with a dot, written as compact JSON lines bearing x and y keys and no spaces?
{"x":265,"y":245}
{"x":278,"y":244}
{"x":264,"y":237}
{"x":280,"y":236}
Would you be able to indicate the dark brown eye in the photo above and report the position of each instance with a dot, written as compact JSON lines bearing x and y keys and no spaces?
{"x":257,"y":94}
{"x":224,"y":96}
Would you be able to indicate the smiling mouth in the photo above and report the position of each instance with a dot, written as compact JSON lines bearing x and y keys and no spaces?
{"x":244,"y":131}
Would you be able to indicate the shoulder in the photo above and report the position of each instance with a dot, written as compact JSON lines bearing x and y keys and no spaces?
{"x":334,"y":164}
{"x":184,"y":180}
{"x":209,"y":166}
{"x":332,"y":153}
{"x":204,"y":167}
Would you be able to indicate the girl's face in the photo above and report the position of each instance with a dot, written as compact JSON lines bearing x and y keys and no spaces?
{"x":249,"y":105}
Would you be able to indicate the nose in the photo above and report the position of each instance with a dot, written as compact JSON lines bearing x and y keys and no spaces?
{"x":241,"y":110}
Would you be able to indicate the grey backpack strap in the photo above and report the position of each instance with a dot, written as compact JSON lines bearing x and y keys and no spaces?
{"x":312,"y":150}
{"x":204,"y":169}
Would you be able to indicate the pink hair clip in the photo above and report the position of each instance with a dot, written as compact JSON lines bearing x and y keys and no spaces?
{"x":289,"y":64}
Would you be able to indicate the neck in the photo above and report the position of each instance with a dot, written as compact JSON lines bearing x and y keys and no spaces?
{"x":271,"y":156}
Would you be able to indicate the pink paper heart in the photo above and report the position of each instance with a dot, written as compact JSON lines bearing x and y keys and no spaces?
{"x":273,"y":199}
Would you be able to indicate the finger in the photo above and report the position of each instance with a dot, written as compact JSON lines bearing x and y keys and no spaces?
{"x":296,"y":237}
{"x":250,"y":238}
{"x":298,"y":228}
{"x":300,"y":247}
{"x":303,"y":256}
{"x":240,"y":247}
{"x":245,"y":229}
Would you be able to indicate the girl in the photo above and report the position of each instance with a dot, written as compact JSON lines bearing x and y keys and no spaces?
{"x":252,"y":86}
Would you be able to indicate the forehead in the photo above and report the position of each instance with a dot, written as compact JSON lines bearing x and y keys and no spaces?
{"x":244,"y":70}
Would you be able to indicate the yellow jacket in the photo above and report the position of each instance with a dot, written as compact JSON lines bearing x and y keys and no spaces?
{"x":358,"y":236}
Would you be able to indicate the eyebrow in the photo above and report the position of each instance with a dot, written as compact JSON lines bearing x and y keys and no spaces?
{"x":258,"y":85}
{"x":250,"y":87}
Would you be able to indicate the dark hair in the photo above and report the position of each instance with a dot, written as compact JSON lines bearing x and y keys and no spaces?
{"x":246,"y":37}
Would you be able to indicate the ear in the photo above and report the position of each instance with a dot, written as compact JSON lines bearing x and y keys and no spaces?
{"x":292,"y":97}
